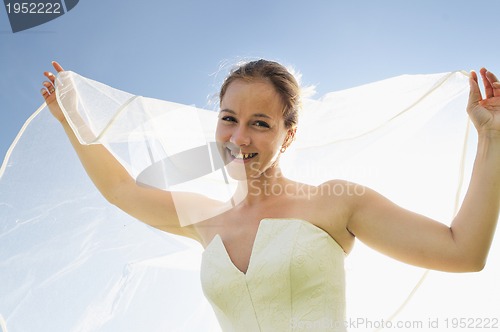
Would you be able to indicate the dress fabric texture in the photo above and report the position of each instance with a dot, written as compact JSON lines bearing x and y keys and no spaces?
{"x":295,"y":280}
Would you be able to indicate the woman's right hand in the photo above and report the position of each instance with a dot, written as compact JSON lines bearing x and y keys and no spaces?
{"x":48,"y":93}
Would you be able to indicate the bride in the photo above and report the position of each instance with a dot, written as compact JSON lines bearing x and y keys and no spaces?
{"x":277,"y":255}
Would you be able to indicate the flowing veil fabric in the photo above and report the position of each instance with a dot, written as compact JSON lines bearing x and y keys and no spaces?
{"x":69,"y":261}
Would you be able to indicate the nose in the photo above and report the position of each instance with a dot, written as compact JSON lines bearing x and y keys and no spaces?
{"x":240,"y":136}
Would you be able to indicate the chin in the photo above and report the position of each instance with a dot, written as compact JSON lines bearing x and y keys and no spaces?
{"x":236,"y":171}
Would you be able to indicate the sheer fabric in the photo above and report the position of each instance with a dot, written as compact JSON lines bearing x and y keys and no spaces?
{"x":71,"y":262}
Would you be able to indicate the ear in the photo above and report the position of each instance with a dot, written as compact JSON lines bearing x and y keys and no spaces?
{"x":290,"y":136}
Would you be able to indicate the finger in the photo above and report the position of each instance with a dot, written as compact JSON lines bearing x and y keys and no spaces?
{"x":49,"y":86}
{"x":44,"y":93}
{"x":50,"y":76}
{"x":492,"y":103}
{"x":57,"y":66}
{"x":488,"y":88}
{"x":494,"y":83}
{"x":475,"y":92}
{"x":491,"y":77}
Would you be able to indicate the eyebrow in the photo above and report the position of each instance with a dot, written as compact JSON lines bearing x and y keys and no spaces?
{"x":258,"y":115}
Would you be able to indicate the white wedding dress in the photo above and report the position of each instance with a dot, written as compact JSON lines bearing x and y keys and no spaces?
{"x":71,"y":262}
{"x":295,"y":280}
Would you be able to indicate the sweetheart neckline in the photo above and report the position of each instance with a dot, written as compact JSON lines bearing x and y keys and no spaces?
{"x":252,"y":251}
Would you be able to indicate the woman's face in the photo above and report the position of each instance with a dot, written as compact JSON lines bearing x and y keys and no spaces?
{"x":250,"y":129}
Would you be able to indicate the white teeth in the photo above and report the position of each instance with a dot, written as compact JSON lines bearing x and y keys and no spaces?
{"x":239,"y":155}
{"x":249,"y":155}
{"x":242,"y":155}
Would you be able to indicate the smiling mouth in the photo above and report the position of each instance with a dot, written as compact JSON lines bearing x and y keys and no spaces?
{"x":242,"y":156}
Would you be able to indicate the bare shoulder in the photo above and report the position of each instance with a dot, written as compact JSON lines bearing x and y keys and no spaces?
{"x":347,"y":196}
{"x":342,"y":188}
{"x":335,"y":201}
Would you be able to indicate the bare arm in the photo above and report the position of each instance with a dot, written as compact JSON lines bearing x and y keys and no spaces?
{"x":421,"y":241}
{"x":153,"y":206}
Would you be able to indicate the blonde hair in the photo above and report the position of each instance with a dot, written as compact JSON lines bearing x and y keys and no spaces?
{"x":278,"y":75}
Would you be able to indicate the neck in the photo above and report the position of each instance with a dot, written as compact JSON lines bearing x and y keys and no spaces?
{"x":267,"y":185}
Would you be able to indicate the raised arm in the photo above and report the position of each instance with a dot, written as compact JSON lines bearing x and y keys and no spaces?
{"x":421,"y":241}
{"x":153,"y":206}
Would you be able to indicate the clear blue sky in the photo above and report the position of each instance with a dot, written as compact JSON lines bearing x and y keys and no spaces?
{"x":170,"y":49}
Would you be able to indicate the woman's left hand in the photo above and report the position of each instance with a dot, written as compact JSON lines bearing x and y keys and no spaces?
{"x":485,"y":113}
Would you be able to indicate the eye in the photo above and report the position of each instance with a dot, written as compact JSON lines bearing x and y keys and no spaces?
{"x":228,"y":118}
{"x":262,"y":124}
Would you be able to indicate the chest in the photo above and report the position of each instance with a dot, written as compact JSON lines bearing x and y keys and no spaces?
{"x":240,"y":230}
{"x":241,"y":233}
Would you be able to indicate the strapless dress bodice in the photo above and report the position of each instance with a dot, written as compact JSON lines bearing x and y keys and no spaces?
{"x":295,"y":280}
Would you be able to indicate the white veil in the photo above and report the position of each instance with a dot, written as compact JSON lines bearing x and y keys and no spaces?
{"x":71,"y":262}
